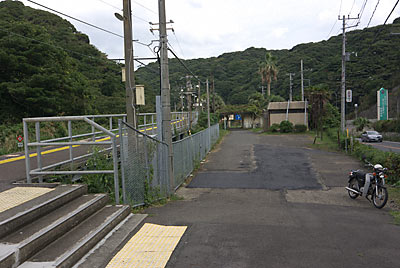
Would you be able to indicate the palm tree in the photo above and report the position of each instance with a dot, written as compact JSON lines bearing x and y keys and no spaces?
{"x":268,"y":71}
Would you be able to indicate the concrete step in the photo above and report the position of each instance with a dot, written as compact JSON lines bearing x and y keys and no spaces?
{"x":23,"y":243}
{"x":105,"y":250}
{"x":72,"y":246}
{"x":16,"y":217}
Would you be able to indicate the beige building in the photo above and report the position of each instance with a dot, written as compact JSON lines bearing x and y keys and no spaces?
{"x":294,"y":111}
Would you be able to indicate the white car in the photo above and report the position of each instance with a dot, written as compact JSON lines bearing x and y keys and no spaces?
{"x":371,"y":136}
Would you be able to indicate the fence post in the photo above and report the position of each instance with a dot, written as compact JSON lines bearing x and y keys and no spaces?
{"x":38,"y":150}
{"x":115,"y":160}
{"x":71,"y":157}
{"x":26,"y":148}
{"x":122,"y":155}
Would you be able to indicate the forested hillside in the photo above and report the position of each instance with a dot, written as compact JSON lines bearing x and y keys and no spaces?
{"x":48,"y":68}
{"x":376,"y":65}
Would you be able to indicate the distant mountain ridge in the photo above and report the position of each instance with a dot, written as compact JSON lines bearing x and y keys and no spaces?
{"x":376,"y":65}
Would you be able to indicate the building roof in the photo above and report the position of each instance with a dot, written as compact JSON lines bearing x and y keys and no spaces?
{"x":283,"y":105}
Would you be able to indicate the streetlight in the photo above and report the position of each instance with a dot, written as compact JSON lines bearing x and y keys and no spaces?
{"x":355,"y":109}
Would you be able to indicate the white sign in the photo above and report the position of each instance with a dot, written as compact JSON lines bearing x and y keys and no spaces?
{"x":349,"y":95}
{"x":140,"y":95}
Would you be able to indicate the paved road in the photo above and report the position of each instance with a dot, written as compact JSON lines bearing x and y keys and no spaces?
{"x":271,"y":201}
{"x":387,"y":146}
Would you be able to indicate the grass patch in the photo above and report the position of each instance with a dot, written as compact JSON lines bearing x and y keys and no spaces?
{"x":159,"y":203}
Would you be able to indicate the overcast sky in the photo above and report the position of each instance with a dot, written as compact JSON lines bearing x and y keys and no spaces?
{"x":207,"y":28}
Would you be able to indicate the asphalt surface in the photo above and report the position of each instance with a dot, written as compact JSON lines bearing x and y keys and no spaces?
{"x":387,"y":146}
{"x":299,"y":215}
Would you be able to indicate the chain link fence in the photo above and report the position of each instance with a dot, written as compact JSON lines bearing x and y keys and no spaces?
{"x":191,"y":150}
{"x":144,"y":162}
{"x":143,"y":167}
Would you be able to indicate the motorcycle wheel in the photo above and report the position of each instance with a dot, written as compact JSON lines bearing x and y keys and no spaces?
{"x":380,"y":200}
{"x":353,"y":184}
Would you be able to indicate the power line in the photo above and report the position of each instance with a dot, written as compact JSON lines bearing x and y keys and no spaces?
{"x":179,"y":44}
{"x":81,"y":21}
{"x":391,"y":12}
{"x":380,"y":29}
{"x":373,"y":13}
{"x":333,"y":26}
{"x":184,"y":65}
{"x":351,"y":9}
{"x":89,"y":24}
{"x":139,"y":4}
{"x":108,"y":4}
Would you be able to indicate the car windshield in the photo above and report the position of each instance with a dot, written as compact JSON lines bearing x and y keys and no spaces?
{"x":372,"y":133}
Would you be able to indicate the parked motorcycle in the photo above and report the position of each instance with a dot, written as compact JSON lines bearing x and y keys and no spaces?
{"x":369,"y":185}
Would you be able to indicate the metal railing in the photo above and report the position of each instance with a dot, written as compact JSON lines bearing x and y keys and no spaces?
{"x":104,"y":136}
{"x":69,"y":143}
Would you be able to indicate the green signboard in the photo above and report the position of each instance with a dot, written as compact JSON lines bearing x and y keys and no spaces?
{"x":382,"y":101}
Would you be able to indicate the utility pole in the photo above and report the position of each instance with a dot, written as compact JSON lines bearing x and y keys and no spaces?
{"x":165,"y":90}
{"x":343,"y":93}
{"x":302,"y":80}
{"x":189,"y":99}
{"x":291,"y":86}
{"x":208,"y":105}
{"x":198,"y":98}
{"x":129,"y":67}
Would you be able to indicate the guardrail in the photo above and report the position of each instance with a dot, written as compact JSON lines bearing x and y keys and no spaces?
{"x":105,"y":135}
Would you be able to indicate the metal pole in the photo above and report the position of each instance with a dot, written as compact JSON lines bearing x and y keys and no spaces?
{"x":122,"y":154}
{"x":343,"y":107}
{"x":129,"y":67}
{"x":27,"y":160}
{"x":165,"y":90}
{"x":71,"y":157}
{"x":208,"y":105}
{"x":302,"y":80}
{"x":115,"y":161}
{"x":38,"y":150}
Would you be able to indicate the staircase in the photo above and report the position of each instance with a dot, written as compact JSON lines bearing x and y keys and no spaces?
{"x":64,"y":228}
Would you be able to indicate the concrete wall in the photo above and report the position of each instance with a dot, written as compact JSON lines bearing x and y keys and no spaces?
{"x":295,"y":118}
{"x":249,"y":123}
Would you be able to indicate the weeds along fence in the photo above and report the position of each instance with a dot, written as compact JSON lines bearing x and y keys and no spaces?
{"x":144,"y":169}
{"x":190,"y":151}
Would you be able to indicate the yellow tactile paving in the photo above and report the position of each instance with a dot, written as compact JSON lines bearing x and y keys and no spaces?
{"x":152,"y":247}
{"x":19,"y":195}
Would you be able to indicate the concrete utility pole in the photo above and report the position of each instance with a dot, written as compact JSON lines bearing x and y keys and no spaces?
{"x":165,"y":89}
{"x":343,"y":93}
{"x":213,"y":94}
{"x":302,"y":80}
{"x":129,"y":67}
{"x":291,"y":86}
{"x":189,"y":99}
{"x":198,"y":98}
{"x":208,"y":105}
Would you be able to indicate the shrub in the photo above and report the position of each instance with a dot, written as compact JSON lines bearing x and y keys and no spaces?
{"x":274,"y":127}
{"x":286,"y":127}
{"x":299,"y":128}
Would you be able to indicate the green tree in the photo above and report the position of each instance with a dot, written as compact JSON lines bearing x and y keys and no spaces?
{"x":268,"y":71}
{"x":361,"y":123}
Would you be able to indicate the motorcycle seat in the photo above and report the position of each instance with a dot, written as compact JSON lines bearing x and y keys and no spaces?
{"x":360,"y":174}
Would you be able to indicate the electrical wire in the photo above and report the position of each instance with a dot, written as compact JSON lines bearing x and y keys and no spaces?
{"x":395,"y":5}
{"x":333,"y":26}
{"x":351,"y":9}
{"x":179,"y":45}
{"x":373,"y":13}
{"x":81,"y":21}
{"x":111,"y":5}
{"x":184,"y":65}
{"x":139,"y":4}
